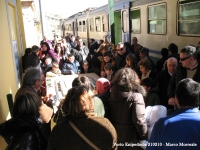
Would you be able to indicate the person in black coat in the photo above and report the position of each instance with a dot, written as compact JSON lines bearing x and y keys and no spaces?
{"x":120,"y":60}
{"x":24,"y":130}
{"x":163,"y":79}
{"x":160,"y":62}
{"x":93,"y":46}
{"x":27,"y":53}
{"x":33,"y":59}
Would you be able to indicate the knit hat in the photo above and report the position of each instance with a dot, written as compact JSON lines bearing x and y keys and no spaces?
{"x":102,"y":85}
{"x":145,"y":51}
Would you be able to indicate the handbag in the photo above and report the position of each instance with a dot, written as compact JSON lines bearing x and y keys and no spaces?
{"x":83,"y":136}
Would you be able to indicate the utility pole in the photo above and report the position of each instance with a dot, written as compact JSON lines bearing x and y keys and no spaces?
{"x":111,"y":19}
{"x":42,"y":18}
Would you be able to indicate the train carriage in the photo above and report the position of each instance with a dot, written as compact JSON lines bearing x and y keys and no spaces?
{"x":156,"y":23}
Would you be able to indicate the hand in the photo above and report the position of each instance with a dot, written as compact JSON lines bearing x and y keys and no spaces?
{"x":171,"y":101}
{"x":47,"y":97}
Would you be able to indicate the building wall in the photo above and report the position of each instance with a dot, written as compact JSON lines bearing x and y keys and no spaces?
{"x":11,"y":39}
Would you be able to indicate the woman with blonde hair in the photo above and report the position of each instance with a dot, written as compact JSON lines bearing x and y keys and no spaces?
{"x":81,"y":129}
{"x":127,"y":108}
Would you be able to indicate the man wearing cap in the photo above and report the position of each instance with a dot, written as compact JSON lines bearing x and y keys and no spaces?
{"x":189,"y":68}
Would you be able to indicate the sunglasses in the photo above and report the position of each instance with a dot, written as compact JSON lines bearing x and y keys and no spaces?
{"x":183,"y":59}
{"x":121,"y":49}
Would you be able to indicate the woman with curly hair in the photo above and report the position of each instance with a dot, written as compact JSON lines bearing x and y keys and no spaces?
{"x":78,"y":109}
{"x":127,"y":108}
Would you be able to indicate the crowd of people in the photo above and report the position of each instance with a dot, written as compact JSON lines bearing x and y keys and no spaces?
{"x":132,"y":94}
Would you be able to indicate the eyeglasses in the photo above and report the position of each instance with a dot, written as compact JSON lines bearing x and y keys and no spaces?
{"x":183,"y":59}
{"x":121,"y":49}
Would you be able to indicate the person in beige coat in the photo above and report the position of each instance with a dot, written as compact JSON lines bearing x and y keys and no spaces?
{"x":78,"y":108}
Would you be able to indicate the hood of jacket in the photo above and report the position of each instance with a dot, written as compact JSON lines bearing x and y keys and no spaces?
{"x":121,"y":92}
{"x":102,"y":85}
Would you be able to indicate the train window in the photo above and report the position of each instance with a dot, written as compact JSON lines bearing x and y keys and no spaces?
{"x":91,"y":24}
{"x":135,"y":21}
{"x":84,"y":26}
{"x":124,"y":21}
{"x":98,"y":24}
{"x":66,"y":27}
{"x":157,"y":19}
{"x":104,"y":24}
{"x":189,"y":18}
{"x":80,"y":26}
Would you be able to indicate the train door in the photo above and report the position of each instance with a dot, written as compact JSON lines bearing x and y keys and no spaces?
{"x":74,"y":28}
{"x":117,"y":27}
{"x":125,"y":25}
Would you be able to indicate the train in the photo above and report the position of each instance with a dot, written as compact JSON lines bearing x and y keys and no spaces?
{"x":155,"y":23}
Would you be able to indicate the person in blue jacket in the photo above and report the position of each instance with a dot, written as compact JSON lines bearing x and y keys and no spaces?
{"x":181,"y":130}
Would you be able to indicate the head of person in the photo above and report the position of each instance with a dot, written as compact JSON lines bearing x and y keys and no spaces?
{"x":35,"y":49}
{"x":48,"y":60}
{"x":101,"y":42}
{"x":188,"y":56}
{"x":102,"y":85}
{"x":173,"y":48}
{"x":80,"y":42}
{"x":103,"y":48}
{"x":137,"y":48}
{"x":91,"y":40}
{"x":85,"y":65}
{"x":120,"y":48}
{"x":103,"y":74}
{"x":172,"y":64}
{"x":107,"y":57}
{"x":33,"y":77}
{"x":164,"y":52}
{"x":55,"y":66}
{"x":78,"y":81}
{"x":127,"y":45}
{"x":28,"y":51}
{"x":126,"y":77}
{"x":45,"y":46}
{"x":72,"y":38}
{"x":144,"y":53}
{"x":145,"y":66}
{"x":26,"y":106}
{"x":134,"y":40}
{"x":187,"y":93}
{"x":148,"y":83}
{"x":78,"y":102}
{"x":57,"y":49}
{"x":108,"y":68}
{"x":45,"y":38}
{"x":131,"y":60}
{"x":71,"y":58}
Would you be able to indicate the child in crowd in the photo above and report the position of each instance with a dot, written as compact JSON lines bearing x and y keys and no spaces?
{"x":85,"y":68}
{"x":103,"y":74}
{"x":107,"y":58}
{"x":152,"y":97}
{"x":55,"y":70}
{"x":109,"y":71}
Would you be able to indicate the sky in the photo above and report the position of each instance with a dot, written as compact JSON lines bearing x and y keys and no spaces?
{"x":67,"y":8}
